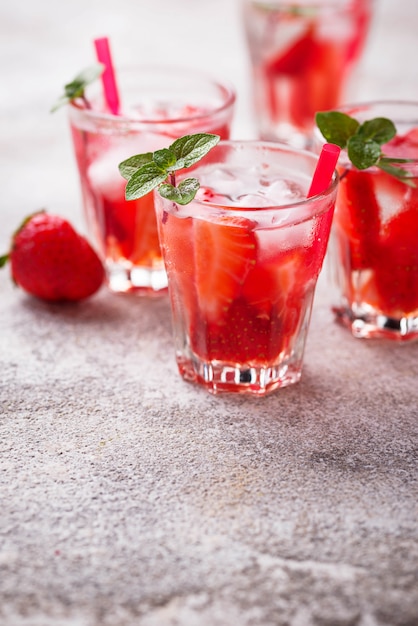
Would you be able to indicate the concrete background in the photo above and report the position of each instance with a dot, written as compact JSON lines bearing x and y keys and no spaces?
{"x":129,"y":497}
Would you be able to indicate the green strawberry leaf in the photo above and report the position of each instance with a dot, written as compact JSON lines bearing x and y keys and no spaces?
{"x":3,"y":260}
{"x":183,"y":194}
{"x":77,"y":87}
{"x":145,"y":172}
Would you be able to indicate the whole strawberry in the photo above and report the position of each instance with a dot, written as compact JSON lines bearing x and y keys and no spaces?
{"x":51,"y":261}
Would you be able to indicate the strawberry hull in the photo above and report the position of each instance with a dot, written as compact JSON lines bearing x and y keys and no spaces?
{"x":242,"y":282}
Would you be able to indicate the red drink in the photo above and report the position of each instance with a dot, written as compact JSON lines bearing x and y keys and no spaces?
{"x":375,"y":240}
{"x":165,"y":104}
{"x":302,"y":55}
{"x":243,"y":261}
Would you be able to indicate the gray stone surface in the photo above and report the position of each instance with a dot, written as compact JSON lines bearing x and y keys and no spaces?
{"x":129,"y":497}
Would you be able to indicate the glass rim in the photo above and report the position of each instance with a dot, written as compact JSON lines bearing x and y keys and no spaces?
{"x":279,"y":147}
{"x":363,"y":105}
{"x":223,"y":85}
{"x":285,"y":5}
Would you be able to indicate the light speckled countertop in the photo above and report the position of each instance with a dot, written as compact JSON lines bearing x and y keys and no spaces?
{"x":129,"y":497}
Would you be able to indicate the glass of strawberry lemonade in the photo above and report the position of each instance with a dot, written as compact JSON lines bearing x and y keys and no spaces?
{"x":374,"y":244}
{"x":158,"y":104}
{"x":243,"y":260}
{"x":302,"y":54}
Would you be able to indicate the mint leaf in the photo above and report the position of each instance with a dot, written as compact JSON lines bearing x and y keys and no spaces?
{"x":336,"y":127}
{"x":144,"y":180}
{"x":128,"y":167}
{"x":380,"y":129}
{"x":145,"y":172}
{"x":191,"y":148}
{"x":183,"y":194}
{"x":363,"y":154}
{"x":76,"y":88}
{"x":387,"y":165}
{"x":165,"y":158}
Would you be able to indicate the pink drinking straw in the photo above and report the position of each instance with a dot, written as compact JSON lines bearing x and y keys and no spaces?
{"x":108,"y":76}
{"x":324,"y":169}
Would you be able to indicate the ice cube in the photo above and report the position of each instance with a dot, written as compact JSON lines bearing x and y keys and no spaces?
{"x":338,"y":28}
{"x":289,"y":32}
{"x":225,"y":182}
{"x":248,"y":187}
{"x":275,"y":240}
{"x":391,"y":195}
{"x":282,"y":191}
{"x":404,"y":146}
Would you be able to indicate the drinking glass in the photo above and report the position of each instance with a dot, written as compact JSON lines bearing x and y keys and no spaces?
{"x":302,"y":56}
{"x":374,"y":241}
{"x":243,"y":260}
{"x":159,"y":104}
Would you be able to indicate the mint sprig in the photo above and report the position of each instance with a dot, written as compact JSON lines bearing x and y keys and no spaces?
{"x":363,"y":141}
{"x":152,"y":170}
{"x":76,"y":89}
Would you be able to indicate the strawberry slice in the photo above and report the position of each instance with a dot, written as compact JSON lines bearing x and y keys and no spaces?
{"x":243,"y":335}
{"x":262,"y":320}
{"x":396,"y":273}
{"x":131,"y":230}
{"x":314,"y":67}
{"x":279,"y":287}
{"x":319,"y":88}
{"x":177,"y":249}
{"x":117,"y":224}
{"x":146,"y":242}
{"x":225,"y":252}
{"x":273,"y":282}
{"x":362,"y":15}
{"x":292,"y":61}
{"x":358,"y":214}
{"x":291,"y":64}
{"x":411,"y":138}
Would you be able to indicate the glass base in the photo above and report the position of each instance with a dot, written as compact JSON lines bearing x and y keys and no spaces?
{"x":141,"y":281}
{"x":222,"y":377}
{"x":372,"y":324}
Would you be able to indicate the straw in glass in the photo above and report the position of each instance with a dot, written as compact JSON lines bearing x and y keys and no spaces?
{"x":324,"y":169}
{"x":108,"y":77}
